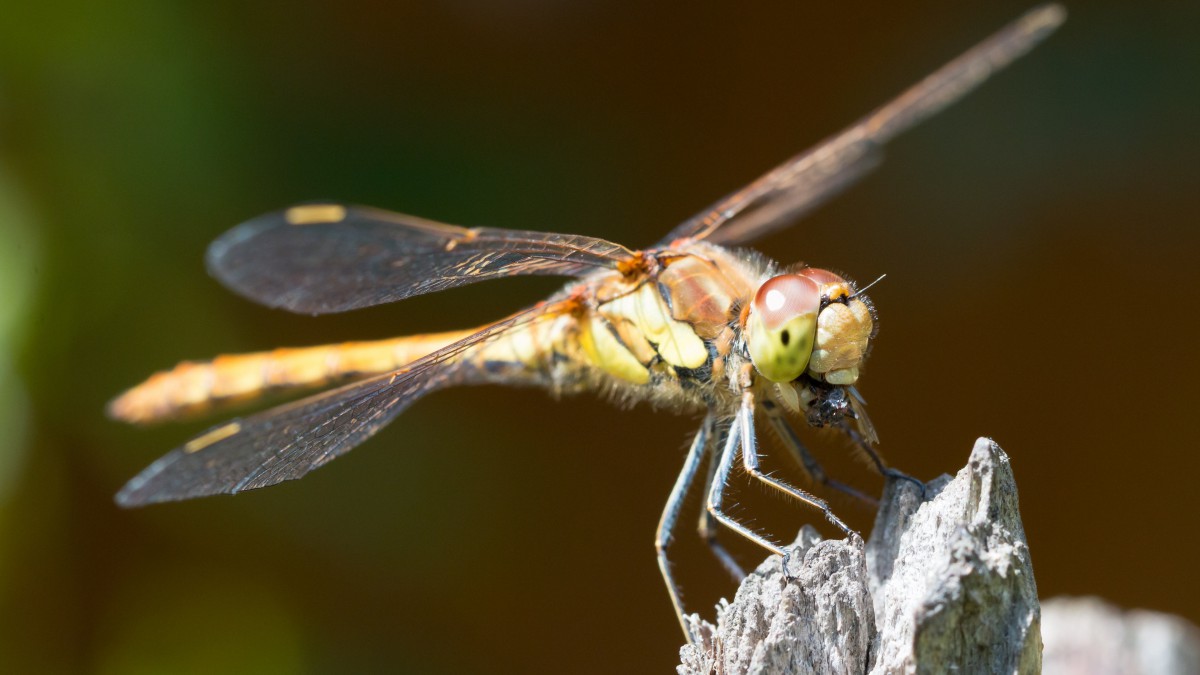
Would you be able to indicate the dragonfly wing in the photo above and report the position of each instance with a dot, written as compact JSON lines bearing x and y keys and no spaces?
{"x":323,"y":258}
{"x":286,"y":442}
{"x":805,"y":181}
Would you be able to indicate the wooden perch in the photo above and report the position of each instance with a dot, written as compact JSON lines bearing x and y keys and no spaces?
{"x":943,"y":585}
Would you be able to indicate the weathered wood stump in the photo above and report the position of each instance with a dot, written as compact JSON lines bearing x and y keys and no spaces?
{"x":943,"y":585}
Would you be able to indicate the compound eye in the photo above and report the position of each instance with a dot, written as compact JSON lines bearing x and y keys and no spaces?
{"x":822,"y":277}
{"x":832,"y":286}
{"x":782,"y":325}
{"x":780,"y":299}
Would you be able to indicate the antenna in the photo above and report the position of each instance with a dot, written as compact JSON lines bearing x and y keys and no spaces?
{"x":864,"y":288}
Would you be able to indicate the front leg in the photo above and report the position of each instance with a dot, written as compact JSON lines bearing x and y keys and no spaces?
{"x":801,"y":454}
{"x":834,"y":407}
{"x":707,"y":527}
{"x":745,"y":419}
{"x":883,"y":469}
{"x":741,"y":435}
{"x":716,"y":491}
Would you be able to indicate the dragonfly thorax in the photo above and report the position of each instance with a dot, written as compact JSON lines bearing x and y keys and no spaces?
{"x":810,"y":322}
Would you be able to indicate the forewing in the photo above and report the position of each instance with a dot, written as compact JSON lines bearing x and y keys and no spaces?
{"x":802,"y":183}
{"x":286,"y":442}
{"x":323,"y":258}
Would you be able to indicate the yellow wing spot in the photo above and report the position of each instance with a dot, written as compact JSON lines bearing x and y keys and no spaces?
{"x":315,"y":214}
{"x":218,"y":434}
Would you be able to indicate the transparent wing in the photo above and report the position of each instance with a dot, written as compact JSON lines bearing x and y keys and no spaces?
{"x":323,"y":258}
{"x":803,"y":182}
{"x":286,"y":442}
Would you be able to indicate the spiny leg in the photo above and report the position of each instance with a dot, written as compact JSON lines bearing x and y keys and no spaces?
{"x":882,"y":468}
{"x":716,"y":491}
{"x":796,"y":446}
{"x":666,"y":525}
{"x":745,"y":421}
{"x":707,"y":527}
{"x":801,"y":453}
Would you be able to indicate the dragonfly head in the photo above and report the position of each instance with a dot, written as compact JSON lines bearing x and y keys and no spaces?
{"x":811,"y":321}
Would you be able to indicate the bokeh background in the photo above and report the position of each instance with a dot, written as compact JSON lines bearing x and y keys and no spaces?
{"x":1040,"y":241}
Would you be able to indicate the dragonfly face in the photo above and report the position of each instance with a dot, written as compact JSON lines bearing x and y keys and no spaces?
{"x":808,"y":322}
{"x":685,"y":324}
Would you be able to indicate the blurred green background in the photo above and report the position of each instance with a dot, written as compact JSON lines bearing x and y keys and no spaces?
{"x":1040,"y":241}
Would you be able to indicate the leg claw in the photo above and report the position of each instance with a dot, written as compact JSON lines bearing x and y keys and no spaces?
{"x":787,"y":558}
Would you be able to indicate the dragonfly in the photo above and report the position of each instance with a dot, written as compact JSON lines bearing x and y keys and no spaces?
{"x":692,"y":324}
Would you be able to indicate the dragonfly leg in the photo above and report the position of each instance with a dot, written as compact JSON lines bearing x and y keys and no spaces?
{"x":707,"y":527}
{"x":666,"y":525}
{"x":745,"y":420}
{"x":716,"y":491}
{"x":883,"y":469}
{"x":796,"y":446}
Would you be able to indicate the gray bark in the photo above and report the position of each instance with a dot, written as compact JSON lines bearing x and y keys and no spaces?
{"x":944,"y":585}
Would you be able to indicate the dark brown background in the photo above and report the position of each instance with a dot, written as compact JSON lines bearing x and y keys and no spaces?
{"x":1039,"y":239}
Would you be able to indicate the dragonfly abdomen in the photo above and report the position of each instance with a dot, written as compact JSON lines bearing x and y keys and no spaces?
{"x":193,"y":387}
